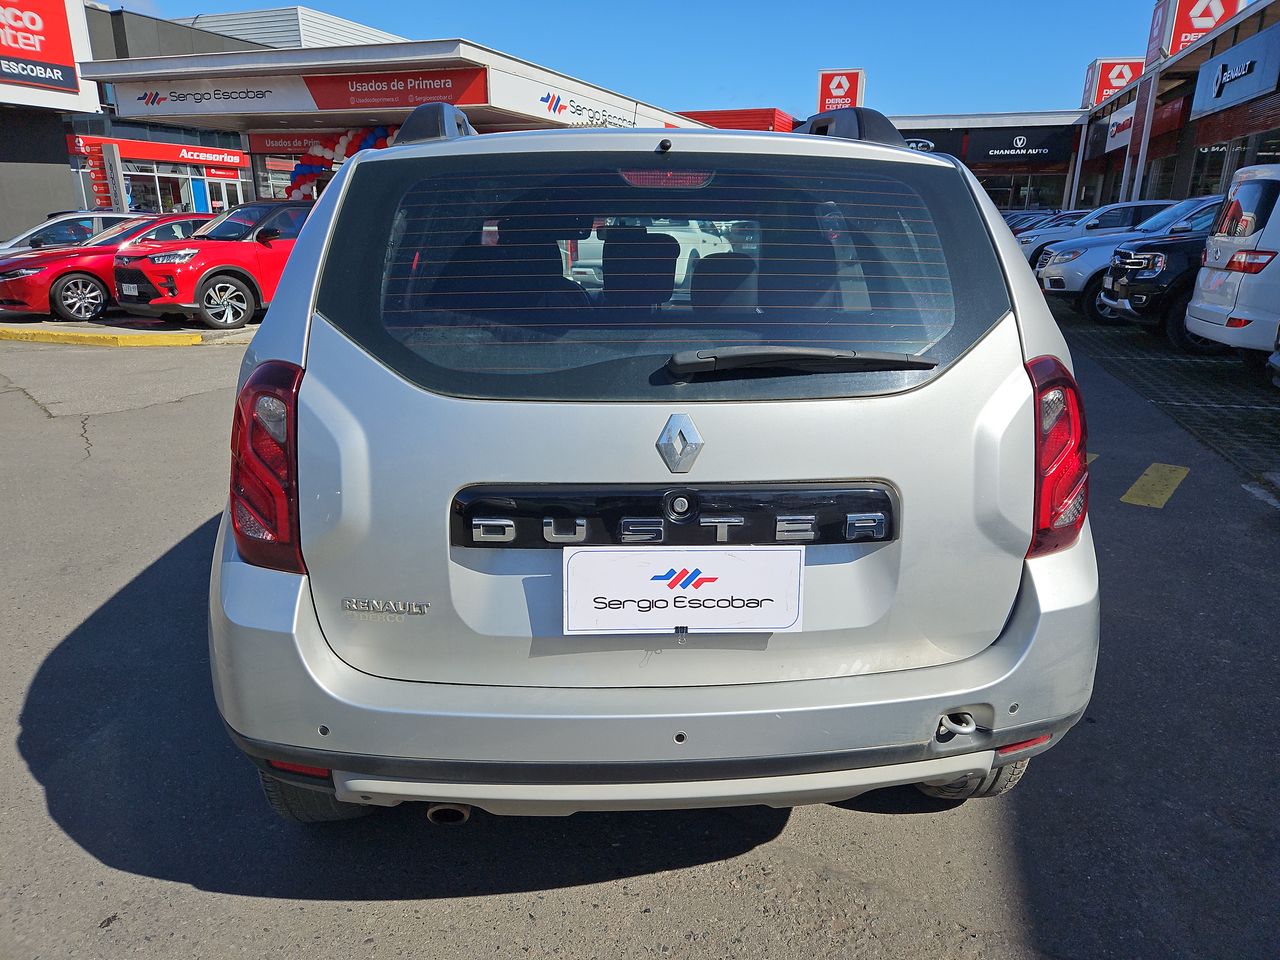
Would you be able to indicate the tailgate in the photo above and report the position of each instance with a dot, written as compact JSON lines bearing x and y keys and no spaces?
{"x":380,"y":468}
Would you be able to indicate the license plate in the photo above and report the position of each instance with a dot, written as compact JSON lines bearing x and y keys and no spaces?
{"x":1108,"y":283}
{"x":683,"y":590}
{"x":129,"y":289}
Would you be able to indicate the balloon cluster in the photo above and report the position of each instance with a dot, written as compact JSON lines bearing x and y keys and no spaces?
{"x":334,"y":146}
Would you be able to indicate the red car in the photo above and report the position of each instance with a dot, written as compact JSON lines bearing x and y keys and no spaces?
{"x":75,"y":282}
{"x":223,"y":275}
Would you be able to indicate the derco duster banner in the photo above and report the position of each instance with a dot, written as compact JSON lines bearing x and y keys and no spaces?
{"x":40,"y":42}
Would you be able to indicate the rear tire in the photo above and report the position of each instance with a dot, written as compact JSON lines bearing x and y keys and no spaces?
{"x":78,"y":298}
{"x":998,"y":781}
{"x":226,"y":302}
{"x":300,"y":805}
{"x":1175,"y":329}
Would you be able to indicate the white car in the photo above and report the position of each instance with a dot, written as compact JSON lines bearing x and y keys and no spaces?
{"x":1113,"y":218}
{"x":63,"y":230}
{"x":697,"y":239}
{"x":1237,"y":295}
{"x":1075,"y":270}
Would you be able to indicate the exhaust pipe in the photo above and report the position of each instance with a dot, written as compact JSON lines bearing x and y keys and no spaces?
{"x":448,"y":814}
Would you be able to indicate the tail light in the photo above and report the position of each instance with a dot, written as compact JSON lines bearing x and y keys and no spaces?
{"x":1062,"y":472}
{"x":264,"y":468}
{"x":1250,"y":261}
{"x":1235,"y":323}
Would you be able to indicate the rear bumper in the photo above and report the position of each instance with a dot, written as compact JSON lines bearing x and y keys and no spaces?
{"x":1258,"y":334}
{"x":558,"y":750}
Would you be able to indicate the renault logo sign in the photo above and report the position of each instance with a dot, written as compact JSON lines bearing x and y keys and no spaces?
{"x":679,"y":443}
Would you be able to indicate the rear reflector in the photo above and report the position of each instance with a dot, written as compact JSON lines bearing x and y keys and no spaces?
{"x":1250,"y":261}
{"x":1237,"y":322}
{"x":1023,"y":744}
{"x":300,"y":768}
{"x":1061,"y":464}
{"x":264,"y":468}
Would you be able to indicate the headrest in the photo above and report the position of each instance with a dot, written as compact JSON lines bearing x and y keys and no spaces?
{"x":724,"y":281}
{"x":639,"y":267}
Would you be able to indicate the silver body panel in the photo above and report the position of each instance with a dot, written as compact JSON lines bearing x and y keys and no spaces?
{"x":375,"y":494}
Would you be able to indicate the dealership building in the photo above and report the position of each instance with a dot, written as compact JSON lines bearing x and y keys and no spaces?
{"x":111,"y":108}
{"x":1206,"y":104}
{"x":210,"y":111}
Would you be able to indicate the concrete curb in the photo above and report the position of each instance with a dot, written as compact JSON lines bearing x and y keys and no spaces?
{"x":102,"y":339}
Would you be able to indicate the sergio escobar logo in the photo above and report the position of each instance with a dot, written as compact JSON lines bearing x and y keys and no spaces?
{"x":682,"y":579}
{"x":217,"y":93}
{"x":585,"y":115}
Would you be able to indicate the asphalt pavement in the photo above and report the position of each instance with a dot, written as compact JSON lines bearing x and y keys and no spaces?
{"x":133,"y":828}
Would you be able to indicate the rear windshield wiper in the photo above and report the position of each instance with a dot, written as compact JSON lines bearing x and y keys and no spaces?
{"x":791,"y":360}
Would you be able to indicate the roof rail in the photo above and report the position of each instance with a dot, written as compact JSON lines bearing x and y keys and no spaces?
{"x":435,"y":121}
{"x":853,"y":123}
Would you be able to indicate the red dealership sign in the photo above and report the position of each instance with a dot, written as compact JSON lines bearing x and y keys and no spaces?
{"x":1177,"y":24}
{"x":35,"y":45}
{"x":163,"y":152}
{"x":376,"y":91}
{"x":1108,"y":76}
{"x":840,"y":88}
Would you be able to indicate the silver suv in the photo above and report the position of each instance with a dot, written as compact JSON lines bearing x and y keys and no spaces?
{"x":497,"y":540}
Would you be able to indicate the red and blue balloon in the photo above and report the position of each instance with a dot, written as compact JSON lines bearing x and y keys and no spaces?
{"x":318,"y":161}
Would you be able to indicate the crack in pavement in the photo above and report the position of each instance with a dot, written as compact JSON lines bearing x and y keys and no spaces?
{"x":84,"y":435}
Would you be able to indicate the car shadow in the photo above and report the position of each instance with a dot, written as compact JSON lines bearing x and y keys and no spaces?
{"x":120,"y":729}
{"x":1148,"y":832}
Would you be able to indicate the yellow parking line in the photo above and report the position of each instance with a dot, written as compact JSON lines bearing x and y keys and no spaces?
{"x":102,"y":339}
{"x":1156,"y":485}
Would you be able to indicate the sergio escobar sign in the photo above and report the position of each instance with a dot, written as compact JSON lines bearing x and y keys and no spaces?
{"x":40,"y":42}
{"x":355,"y":91}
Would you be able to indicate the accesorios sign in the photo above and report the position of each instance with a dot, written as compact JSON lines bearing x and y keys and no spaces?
{"x":163,"y":152}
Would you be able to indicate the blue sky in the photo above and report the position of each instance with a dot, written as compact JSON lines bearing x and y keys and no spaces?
{"x":926,"y":56}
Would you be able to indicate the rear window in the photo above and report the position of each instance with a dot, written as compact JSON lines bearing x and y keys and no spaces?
{"x":1248,"y":208}
{"x":574,"y":276}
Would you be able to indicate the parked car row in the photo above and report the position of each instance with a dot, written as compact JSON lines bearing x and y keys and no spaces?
{"x":1200,"y":270}
{"x":219,"y":270}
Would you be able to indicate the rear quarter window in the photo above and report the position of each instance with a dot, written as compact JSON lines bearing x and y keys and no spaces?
{"x":1248,"y":208}
{"x":574,"y":276}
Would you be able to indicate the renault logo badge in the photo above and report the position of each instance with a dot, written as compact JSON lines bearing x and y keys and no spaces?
{"x":679,"y":443}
